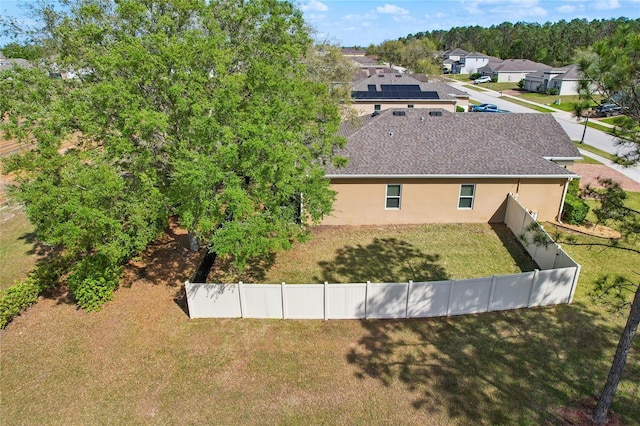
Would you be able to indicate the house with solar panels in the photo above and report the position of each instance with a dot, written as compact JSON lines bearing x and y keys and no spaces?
{"x":379,"y":92}
{"x":412,"y":166}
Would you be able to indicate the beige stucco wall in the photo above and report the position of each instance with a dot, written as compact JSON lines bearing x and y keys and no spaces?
{"x":368,"y":108}
{"x":362,"y":201}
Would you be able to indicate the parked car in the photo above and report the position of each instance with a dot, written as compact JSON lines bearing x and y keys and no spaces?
{"x":483,"y":79}
{"x":607,"y":110}
{"x":487,"y":108}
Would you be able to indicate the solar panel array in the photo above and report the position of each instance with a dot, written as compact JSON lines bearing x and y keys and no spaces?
{"x":395,"y":91}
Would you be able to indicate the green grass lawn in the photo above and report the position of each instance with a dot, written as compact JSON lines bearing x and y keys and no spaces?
{"x":140,"y":360}
{"x":390,"y":254}
{"x":528,"y":105}
{"x":18,"y":254}
{"x":595,"y":150}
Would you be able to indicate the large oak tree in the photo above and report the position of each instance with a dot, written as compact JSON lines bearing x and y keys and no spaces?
{"x":204,"y":110}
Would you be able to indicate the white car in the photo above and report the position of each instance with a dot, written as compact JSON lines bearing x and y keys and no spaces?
{"x":483,"y":79}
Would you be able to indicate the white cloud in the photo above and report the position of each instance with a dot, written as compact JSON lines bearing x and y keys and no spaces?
{"x":314,"y":5}
{"x":356,"y":17}
{"x":607,"y":5}
{"x":392,"y":9}
{"x":567,"y":8}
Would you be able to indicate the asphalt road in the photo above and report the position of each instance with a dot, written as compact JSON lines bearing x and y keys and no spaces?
{"x":593,"y":137}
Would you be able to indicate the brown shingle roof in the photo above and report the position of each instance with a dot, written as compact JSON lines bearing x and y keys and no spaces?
{"x":461,"y":144}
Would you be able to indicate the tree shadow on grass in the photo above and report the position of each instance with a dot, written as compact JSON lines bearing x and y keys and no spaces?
{"x":383,"y":260}
{"x":511,"y":367}
{"x":520,"y":257}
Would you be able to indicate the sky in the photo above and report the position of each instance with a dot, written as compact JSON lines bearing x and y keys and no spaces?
{"x":365,"y":22}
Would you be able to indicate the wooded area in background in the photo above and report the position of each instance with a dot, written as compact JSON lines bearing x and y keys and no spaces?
{"x":554,"y":43}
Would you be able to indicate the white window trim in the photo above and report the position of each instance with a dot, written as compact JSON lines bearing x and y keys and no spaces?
{"x":473,"y":197}
{"x":387,"y":196}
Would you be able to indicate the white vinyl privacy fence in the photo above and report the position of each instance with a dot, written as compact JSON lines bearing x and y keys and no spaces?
{"x":553,"y":284}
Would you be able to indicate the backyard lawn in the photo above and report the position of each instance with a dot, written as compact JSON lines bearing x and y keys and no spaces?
{"x":140,"y":360}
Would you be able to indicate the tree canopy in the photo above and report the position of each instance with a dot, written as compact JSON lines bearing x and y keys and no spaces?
{"x":552,"y":43}
{"x":202,"y":110}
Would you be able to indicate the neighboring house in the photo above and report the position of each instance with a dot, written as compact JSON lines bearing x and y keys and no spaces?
{"x":564,"y":79}
{"x":451,"y":57}
{"x":367,"y":66}
{"x":391,"y":90}
{"x":470,"y":63}
{"x":352,"y":52}
{"x":409,"y":166}
{"x":512,"y":69}
{"x":9,"y":63}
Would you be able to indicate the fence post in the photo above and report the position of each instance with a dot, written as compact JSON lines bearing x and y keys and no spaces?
{"x":406,"y":312}
{"x":451,"y":281}
{"x":283,"y":298}
{"x":241,"y":298}
{"x":533,"y":283}
{"x":366,"y":300}
{"x":574,"y":284}
{"x":493,"y":283}
{"x":326,"y":301}
{"x":555,"y":261}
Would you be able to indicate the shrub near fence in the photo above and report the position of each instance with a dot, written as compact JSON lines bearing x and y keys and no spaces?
{"x":553,"y":284}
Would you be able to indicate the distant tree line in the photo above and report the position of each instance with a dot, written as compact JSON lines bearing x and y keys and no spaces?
{"x":553,"y":44}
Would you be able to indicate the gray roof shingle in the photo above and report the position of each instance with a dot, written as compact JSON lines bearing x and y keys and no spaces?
{"x":470,"y":144}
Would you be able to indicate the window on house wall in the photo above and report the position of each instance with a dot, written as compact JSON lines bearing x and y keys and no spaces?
{"x":376,"y":107}
{"x":410,"y":106}
{"x":392,"y":200}
{"x":467,"y":193}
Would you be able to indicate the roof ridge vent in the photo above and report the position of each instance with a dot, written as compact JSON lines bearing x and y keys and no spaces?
{"x":435,"y":113}
{"x":399,"y":113}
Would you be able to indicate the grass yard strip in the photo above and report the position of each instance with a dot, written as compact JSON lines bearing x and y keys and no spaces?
{"x":595,"y":150}
{"x":527,"y":104}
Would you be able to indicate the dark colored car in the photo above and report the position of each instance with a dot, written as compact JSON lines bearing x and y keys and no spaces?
{"x":607,"y":110}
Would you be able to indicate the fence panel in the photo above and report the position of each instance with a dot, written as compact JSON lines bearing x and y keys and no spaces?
{"x":552,"y":287}
{"x":512,"y":291}
{"x":262,"y":301}
{"x":346,"y":301}
{"x":305,"y":301}
{"x":213,"y":300}
{"x":470,"y":296}
{"x":429,"y":299}
{"x":388,"y":300}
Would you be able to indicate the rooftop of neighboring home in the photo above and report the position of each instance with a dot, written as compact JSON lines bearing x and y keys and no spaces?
{"x":352,"y":51}
{"x":569,"y":72}
{"x":8,"y":63}
{"x":402,"y":86}
{"x":436,"y":143}
{"x":454,"y":52}
{"x":514,"y":65}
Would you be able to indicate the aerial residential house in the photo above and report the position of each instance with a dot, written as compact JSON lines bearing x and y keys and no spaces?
{"x":391,"y":90}
{"x":451,"y":57}
{"x":512,"y":69}
{"x":470,"y":63}
{"x":565,"y":80}
{"x":409,"y":166}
